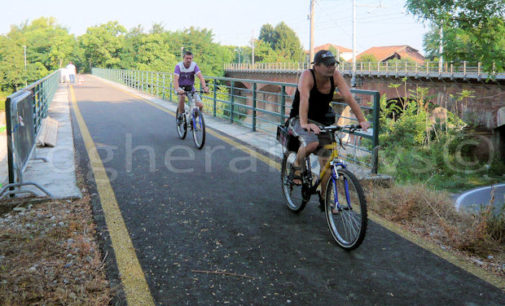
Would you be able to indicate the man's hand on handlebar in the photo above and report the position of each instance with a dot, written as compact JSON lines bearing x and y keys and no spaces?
{"x":364,"y":125}
{"x":180,"y":91}
{"x":206,"y":89}
{"x":311,"y":127}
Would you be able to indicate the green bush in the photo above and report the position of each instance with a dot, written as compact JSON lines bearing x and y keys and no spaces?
{"x":414,"y":149}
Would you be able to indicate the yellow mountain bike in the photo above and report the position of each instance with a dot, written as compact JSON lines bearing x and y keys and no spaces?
{"x":343,"y":202}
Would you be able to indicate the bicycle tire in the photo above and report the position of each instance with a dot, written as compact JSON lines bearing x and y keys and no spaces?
{"x":198,"y":124}
{"x":182,"y":127}
{"x":292,"y":192}
{"x":348,"y":225}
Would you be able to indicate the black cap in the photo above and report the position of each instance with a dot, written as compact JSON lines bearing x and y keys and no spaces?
{"x":325,"y":57}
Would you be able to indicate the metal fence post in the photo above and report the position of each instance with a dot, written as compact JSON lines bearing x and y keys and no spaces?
{"x":283,"y":102}
{"x":232,"y":101}
{"x":376,"y":127}
{"x":171,"y":89}
{"x":254,"y":108}
{"x":214,"y":101}
{"x":163,"y":89}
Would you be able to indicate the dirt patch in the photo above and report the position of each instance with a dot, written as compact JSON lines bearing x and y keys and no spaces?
{"x":49,"y":255}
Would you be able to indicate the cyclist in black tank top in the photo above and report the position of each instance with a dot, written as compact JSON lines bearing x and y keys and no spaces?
{"x":312,"y":99}
{"x":319,"y":102}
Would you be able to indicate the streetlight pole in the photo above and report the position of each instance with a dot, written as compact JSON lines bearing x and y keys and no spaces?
{"x":311,"y":17}
{"x":252,"y":54}
{"x":353,"y":78}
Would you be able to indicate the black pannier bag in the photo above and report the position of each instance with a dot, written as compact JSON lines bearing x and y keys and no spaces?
{"x":286,"y":138}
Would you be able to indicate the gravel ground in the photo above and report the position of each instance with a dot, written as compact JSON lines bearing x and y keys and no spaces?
{"x":49,"y":254}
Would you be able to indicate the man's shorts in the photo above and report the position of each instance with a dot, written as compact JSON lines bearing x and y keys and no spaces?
{"x":307,"y":137}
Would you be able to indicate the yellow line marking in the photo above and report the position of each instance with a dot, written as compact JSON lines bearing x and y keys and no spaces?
{"x":456,"y":260}
{"x":131,"y":274}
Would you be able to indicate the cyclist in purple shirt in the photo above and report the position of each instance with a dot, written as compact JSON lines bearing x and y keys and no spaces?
{"x":184,"y":79}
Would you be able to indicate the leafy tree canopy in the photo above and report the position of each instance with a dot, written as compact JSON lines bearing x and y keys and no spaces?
{"x":473,"y":30}
{"x":283,"y":40}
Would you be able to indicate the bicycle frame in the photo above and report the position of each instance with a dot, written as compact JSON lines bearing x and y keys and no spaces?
{"x":191,"y":105}
{"x":330,"y":164}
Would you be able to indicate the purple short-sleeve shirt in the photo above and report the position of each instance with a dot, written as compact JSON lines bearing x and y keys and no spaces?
{"x":186,"y":75}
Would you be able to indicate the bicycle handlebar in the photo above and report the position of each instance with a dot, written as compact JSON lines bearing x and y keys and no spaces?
{"x":333,"y":128}
{"x":186,"y":92}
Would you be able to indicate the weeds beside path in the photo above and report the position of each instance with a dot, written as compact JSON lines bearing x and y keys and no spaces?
{"x":431,"y":215}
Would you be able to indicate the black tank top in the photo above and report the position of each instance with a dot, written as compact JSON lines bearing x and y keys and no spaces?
{"x":319,"y":103}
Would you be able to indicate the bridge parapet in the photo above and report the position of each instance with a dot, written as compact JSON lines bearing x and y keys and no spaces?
{"x":396,"y":70}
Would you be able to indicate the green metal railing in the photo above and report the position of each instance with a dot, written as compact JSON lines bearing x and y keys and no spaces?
{"x":256,"y":104}
{"x":24,"y":111}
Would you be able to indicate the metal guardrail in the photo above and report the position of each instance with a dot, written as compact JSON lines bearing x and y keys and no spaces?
{"x":396,"y":69}
{"x":256,"y":104}
{"x":24,"y":111}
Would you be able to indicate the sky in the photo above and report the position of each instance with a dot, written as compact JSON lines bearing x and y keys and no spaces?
{"x":234,"y":22}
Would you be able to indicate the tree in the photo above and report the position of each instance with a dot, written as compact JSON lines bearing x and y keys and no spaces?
{"x":264,"y":53}
{"x":283,"y":41}
{"x":102,"y":44}
{"x":12,"y":73}
{"x":461,"y":13}
{"x":46,"y":42}
{"x":473,"y":30}
{"x":368,"y":58}
{"x":268,"y":35}
{"x":288,"y":42}
{"x":153,"y":54}
{"x":47,"y":46}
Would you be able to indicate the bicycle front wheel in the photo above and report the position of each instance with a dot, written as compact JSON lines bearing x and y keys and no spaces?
{"x":346,"y":210}
{"x":198,"y":123}
{"x":292,"y":192}
{"x":181,"y":124}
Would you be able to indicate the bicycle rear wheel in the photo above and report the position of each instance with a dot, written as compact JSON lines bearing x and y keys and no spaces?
{"x":292,"y":192}
{"x":198,"y":123}
{"x":346,"y":210}
{"x":181,"y":125}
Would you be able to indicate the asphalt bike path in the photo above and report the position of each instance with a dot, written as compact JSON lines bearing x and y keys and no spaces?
{"x":210,"y":226}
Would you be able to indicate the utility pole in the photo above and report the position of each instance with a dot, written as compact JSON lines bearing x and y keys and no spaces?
{"x":441,"y":48}
{"x":311,"y":17}
{"x":252,"y":54}
{"x":354,"y":21}
{"x":182,"y":51}
{"x":353,"y":78}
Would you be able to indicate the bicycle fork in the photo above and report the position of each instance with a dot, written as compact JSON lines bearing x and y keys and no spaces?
{"x":334,"y":177}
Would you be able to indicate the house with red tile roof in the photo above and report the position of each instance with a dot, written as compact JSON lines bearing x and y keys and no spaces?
{"x":386,"y":53}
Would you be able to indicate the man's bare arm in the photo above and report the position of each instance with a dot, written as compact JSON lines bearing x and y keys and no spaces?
{"x":348,"y":98}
